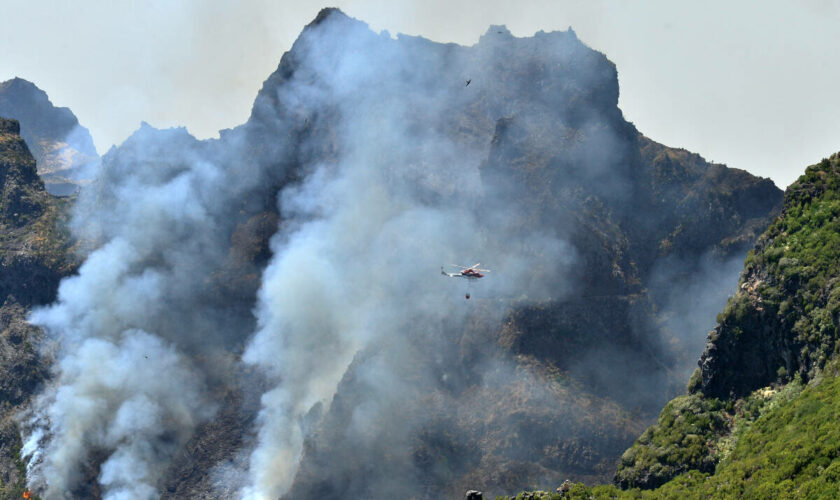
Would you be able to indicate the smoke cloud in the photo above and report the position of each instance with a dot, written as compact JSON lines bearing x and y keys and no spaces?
{"x":356,"y":260}
{"x":382,"y":165}
{"x":137,"y":336}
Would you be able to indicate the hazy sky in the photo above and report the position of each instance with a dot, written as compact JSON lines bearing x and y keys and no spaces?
{"x":750,"y":84}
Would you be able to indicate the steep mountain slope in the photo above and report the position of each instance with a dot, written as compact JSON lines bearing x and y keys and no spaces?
{"x":276,"y":291}
{"x":62,"y":148}
{"x":33,"y":258}
{"x":760,"y":416}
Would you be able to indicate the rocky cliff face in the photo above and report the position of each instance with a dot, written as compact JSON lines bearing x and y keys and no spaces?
{"x":63,"y":149}
{"x":33,"y":258}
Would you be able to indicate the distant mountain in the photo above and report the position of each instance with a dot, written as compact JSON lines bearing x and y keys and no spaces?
{"x":286,"y":276}
{"x":62,"y":148}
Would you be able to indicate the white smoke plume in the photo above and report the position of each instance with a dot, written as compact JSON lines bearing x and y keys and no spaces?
{"x":111,"y":396}
{"x":375,"y":151}
{"x":357,"y":259}
{"x":129,"y":383}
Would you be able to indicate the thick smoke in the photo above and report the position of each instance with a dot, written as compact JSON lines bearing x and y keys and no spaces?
{"x":382,"y":165}
{"x":138,"y":339}
{"x":123,"y":405}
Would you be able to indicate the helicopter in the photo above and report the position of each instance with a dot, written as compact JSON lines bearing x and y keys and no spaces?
{"x":470,"y":273}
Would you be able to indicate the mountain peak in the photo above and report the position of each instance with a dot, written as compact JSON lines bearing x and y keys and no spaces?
{"x":327,"y":12}
{"x":27,"y":92}
{"x":499,"y":29}
{"x":60,"y":145}
{"x":333,"y":15}
{"x":21,"y":83}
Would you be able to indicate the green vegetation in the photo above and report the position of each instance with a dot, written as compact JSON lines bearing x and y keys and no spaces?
{"x":681,"y":440}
